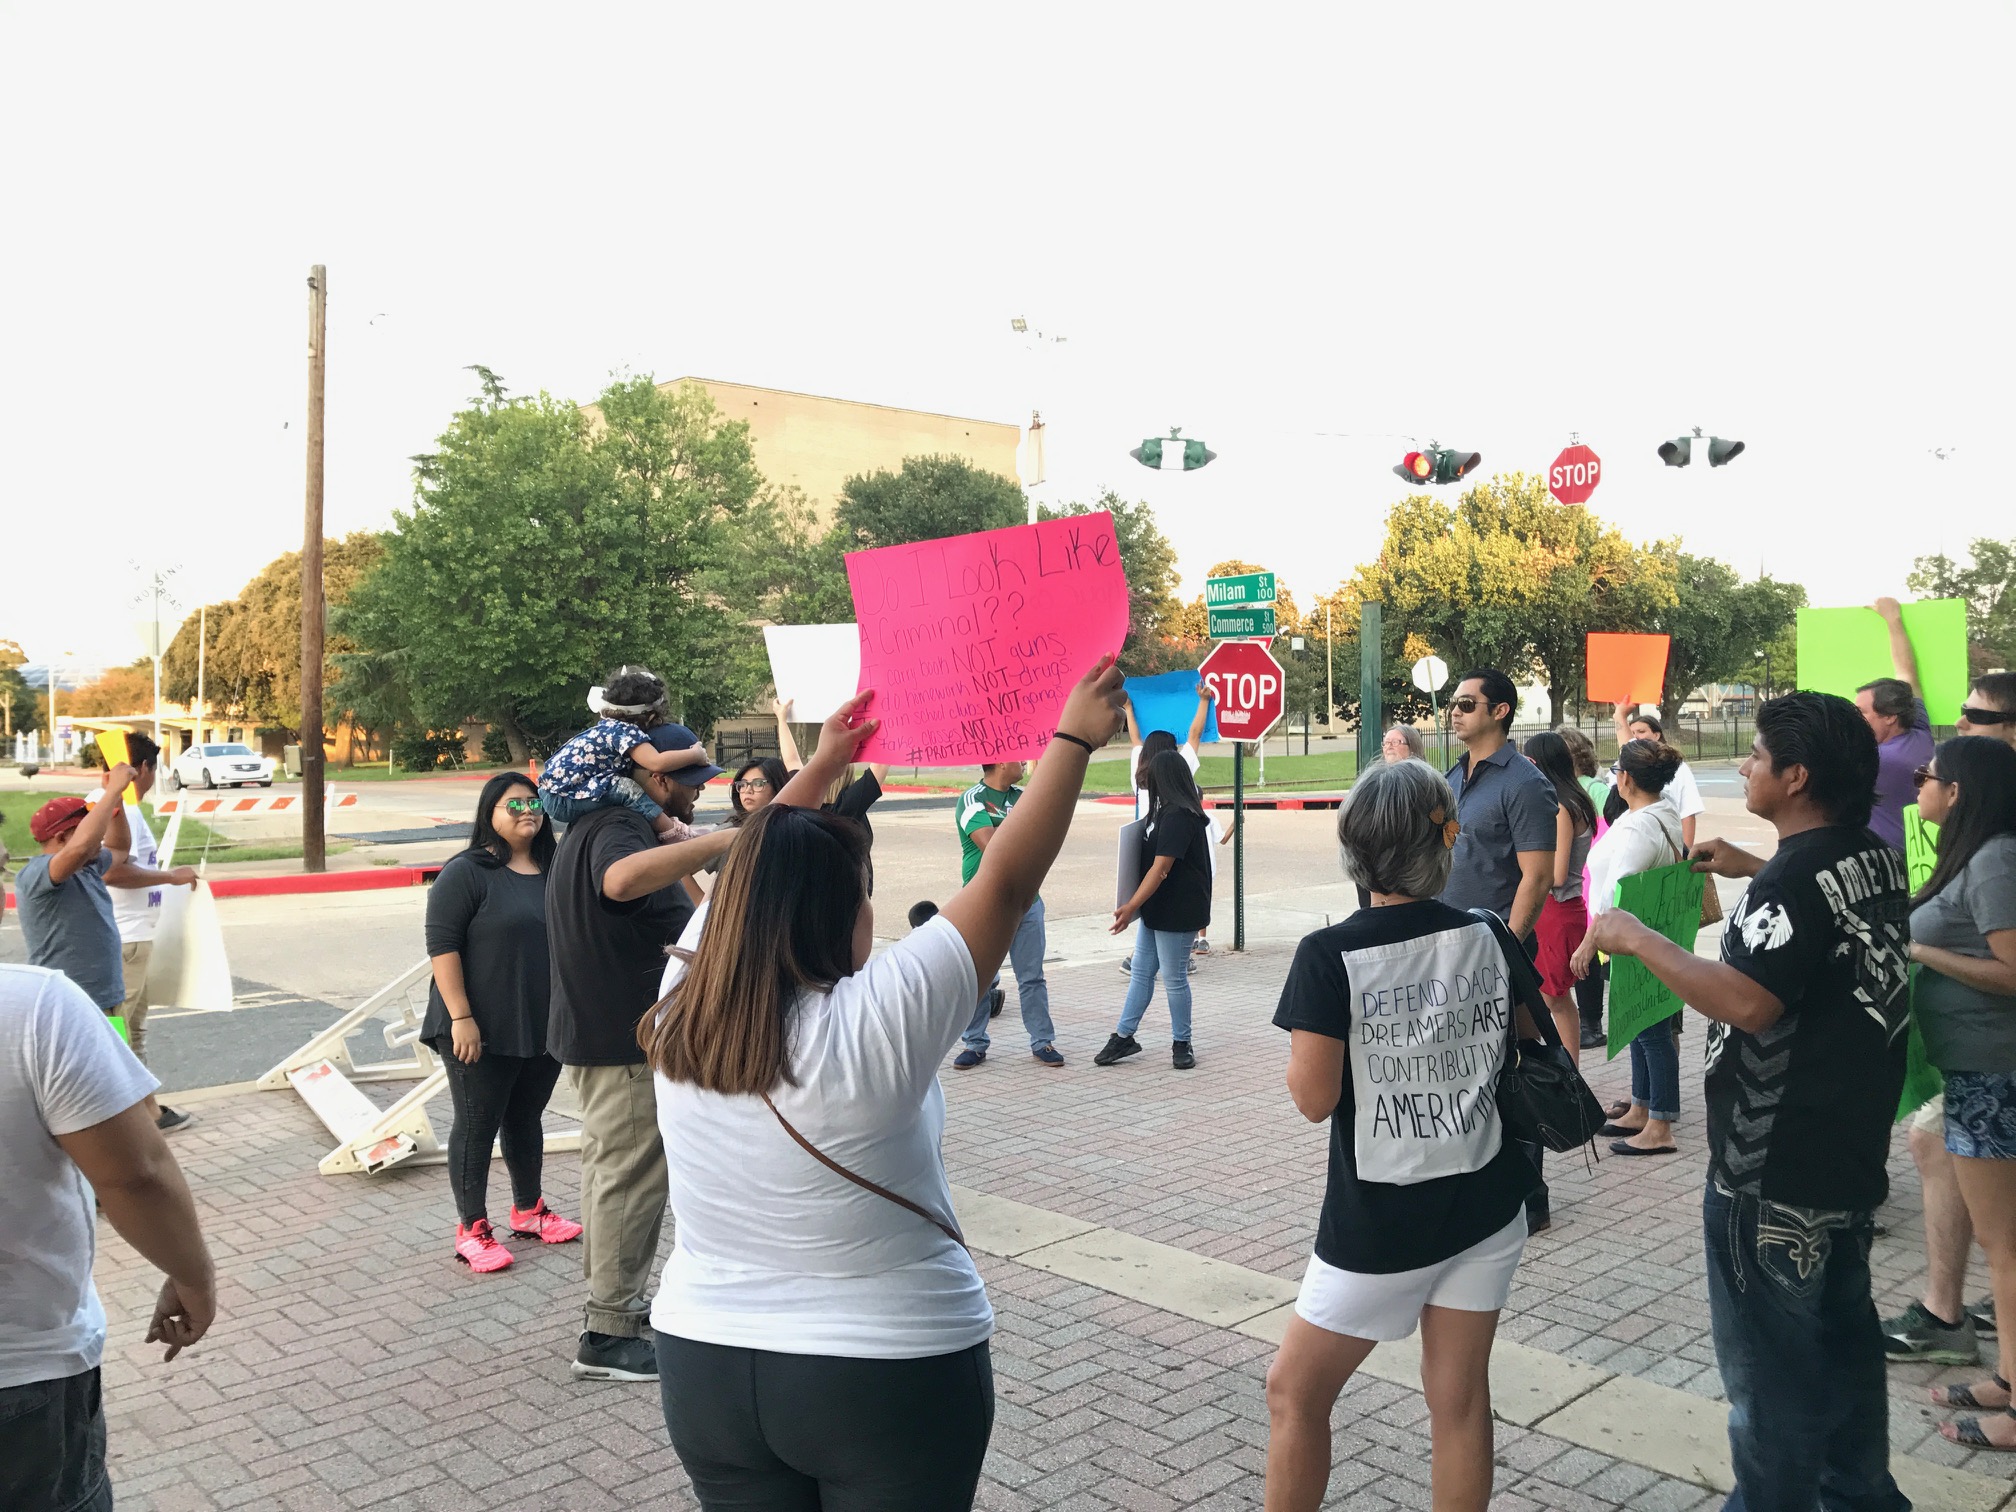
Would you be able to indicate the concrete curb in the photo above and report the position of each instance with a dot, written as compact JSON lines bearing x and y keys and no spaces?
{"x":316,"y":882}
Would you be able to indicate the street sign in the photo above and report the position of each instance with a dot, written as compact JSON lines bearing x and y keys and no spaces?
{"x":1242,"y":624}
{"x":1574,"y":475}
{"x":1249,"y":588}
{"x":1250,"y":687}
{"x":1430,"y":673}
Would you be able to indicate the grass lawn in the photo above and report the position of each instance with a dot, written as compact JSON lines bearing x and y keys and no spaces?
{"x":18,"y":808}
{"x":378,"y":771}
{"x":1330,"y":769}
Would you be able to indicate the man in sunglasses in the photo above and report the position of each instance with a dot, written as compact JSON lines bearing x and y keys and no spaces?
{"x":1991,"y":707}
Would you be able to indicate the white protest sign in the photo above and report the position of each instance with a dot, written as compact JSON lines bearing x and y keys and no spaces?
{"x":188,"y":967}
{"x":1428,"y":1023}
{"x":816,"y":668}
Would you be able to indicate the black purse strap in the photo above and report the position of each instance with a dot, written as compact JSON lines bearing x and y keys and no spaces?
{"x":1525,"y":983}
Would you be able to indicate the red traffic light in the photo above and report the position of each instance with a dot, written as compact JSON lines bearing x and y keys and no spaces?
{"x":1417,"y":465}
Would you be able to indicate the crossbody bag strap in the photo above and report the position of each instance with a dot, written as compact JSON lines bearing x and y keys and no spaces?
{"x":1525,"y":982}
{"x":862,"y":1181}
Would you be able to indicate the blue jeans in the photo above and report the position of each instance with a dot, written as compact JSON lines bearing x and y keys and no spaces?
{"x":1801,"y":1355}
{"x":1168,"y":949}
{"x":1025,"y":954}
{"x":624,"y":792}
{"x":1655,"y":1070}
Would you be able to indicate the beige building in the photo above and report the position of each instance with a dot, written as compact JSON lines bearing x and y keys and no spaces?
{"x":817,"y":444}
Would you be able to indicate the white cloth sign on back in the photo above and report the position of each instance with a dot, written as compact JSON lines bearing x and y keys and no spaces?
{"x":1427,"y":1041}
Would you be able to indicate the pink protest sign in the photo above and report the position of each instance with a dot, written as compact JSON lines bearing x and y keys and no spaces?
{"x":972,"y":642}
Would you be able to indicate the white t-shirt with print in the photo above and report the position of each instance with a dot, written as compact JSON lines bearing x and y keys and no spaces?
{"x":63,"y":1068}
{"x":138,"y":909}
{"x":774,"y":1251}
{"x":1684,"y":793}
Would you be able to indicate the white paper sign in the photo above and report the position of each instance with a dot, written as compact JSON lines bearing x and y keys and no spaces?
{"x":188,"y":967}
{"x":816,"y":667}
{"x":1427,"y":1038}
{"x":1128,"y":870}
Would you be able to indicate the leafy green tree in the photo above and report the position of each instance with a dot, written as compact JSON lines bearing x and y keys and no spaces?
{"x":926,"y":498}
{"x":1150,"y":564}
{"x":1720,"y":626}
{"x":546,"y":546}
{"x":20,"y":701}
{"x":1987,"y":582}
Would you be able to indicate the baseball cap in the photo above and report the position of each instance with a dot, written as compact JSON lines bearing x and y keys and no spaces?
{"x":676,"y":737}
{"x":54,"y":817}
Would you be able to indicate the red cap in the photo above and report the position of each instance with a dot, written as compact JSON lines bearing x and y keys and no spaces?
{"x":55,"y":817}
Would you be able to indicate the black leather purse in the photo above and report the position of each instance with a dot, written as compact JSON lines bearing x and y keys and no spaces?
{"x":1542,"y":1098}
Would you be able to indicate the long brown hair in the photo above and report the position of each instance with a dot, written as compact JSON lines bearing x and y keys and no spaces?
{"x":781,"y":923}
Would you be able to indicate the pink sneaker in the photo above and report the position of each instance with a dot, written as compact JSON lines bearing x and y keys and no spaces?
{"x":477,"y":1248}
{"x":550,"y":1227}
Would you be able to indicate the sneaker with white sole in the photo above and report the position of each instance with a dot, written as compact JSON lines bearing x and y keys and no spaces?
{"x":606,"y":1357}
{"x":542,"y":1223}
{"x":477,"y":1247}
{"x":1915,"y":1334}
{"x":172,"y":1119}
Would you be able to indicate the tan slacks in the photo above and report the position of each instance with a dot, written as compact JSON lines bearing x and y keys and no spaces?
{"x":622,"y":1195}
{"x":133,"y":956}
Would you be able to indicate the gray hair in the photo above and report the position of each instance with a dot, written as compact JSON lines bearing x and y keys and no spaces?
{"x":1408,"y":734}
{"x":1390,"y":830}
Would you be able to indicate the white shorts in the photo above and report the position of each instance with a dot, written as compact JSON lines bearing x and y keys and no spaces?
{"x":1387,"y":1307}
{"x":1931,"y":1116}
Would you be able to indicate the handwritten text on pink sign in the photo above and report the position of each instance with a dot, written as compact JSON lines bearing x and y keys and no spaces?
{"x":972,"y":642}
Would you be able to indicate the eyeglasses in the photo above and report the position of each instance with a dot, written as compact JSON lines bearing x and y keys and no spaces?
{"x":1986,"y":716}
{"x":524,"y":806}
{"x":750,"y":784}
{"x":1924,"y":774}
{"x":1466,"y":703}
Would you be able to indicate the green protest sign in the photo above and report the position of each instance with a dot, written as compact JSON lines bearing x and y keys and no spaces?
{"x":1841,"y":649}
{"x":1921,"y":846}
{"x":1922,"y":1081}
{"x":1668,"y":900}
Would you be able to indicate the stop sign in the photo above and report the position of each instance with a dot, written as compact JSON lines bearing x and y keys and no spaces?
{"x":1251,"y":690}
{"x":1574,"y":475}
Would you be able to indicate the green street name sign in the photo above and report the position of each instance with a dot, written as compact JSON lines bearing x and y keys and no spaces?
{"x":1252,"y":588}
{"x":1243,"y":624}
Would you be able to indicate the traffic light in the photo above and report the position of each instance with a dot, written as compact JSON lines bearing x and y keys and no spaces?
{"x":1436,"y":465}
{"x":1680,"y":451}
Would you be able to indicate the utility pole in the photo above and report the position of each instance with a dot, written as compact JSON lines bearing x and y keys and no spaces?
{"x":314,"y":857}
{"x":202,"y":634}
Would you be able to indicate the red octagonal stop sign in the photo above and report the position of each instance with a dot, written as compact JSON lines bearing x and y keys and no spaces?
{"x":1574,"y":475}
{"x":1251,"y":690}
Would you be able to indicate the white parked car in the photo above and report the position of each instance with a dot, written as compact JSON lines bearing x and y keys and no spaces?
{"x":221,"y":766}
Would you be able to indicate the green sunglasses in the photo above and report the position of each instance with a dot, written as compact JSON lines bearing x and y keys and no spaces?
{"x":524,"y":806}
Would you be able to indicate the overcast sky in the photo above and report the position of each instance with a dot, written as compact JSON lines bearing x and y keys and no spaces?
{"x":1300,"y":237}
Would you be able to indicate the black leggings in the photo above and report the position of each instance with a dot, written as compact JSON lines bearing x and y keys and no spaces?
{"x":764,"y":1432}
{"x":499,"y":1099}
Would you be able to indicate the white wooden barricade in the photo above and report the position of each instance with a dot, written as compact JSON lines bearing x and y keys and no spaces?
{"x":369,"y":1138}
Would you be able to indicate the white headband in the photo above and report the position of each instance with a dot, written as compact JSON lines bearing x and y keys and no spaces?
{"x":598,"y":704}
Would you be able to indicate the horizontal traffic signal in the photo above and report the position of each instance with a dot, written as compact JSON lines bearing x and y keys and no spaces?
{"x":1680,"y":450}
{"x":1436,"y":465}
{"x":1720,"y":451}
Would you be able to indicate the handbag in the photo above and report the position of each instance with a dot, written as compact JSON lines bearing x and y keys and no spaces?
{"x":1711,"y":900}
{"x":1542,"y":1098}
{"x":950,"y":1231}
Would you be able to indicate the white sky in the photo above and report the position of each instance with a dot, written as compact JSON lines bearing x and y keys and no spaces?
{"x":1490,"y":224}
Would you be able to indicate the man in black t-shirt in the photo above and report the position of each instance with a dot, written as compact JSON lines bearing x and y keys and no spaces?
{"x":613,"y":904}
{"x":1805,"y":1062}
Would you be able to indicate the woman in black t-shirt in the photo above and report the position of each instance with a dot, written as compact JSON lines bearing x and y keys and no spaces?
{"x":1172,"y":903}
{"x":486,"y":1015}
{"x":1399,"y":1019}
{"x":850,"y":796}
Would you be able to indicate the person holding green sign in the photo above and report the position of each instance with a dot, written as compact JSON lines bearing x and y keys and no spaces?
{"x":1895,"y":710}
{"x":1963,"y":938}
{"x":1808,"y":1010}
{"x":1646,"y":835}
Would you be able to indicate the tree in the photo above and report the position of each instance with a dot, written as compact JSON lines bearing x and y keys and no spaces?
{"x":1987,"y":582}
{"x":1150,"y":564}
{"x":545,"y":547}
{"x":1507,"y":578}
{"x":928,"y":497}
{"x":23,"y":706}
{"x":122,"y":690}
{"x":1720,"y":626}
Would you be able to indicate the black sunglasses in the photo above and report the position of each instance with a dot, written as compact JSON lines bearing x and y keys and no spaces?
{"x":1986,"y":716}
{"x":1924,"y":774}
{"x":1466,"y":703}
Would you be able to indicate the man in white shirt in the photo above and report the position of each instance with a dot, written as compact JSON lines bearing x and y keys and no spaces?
{"x":1683,"y":792}
{"x":74,"y":1122}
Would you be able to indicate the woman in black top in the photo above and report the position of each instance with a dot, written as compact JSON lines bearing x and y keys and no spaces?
{"x":1172,"y":903}
{"x":1398,"y":1017}
{"x":486,"y":1015}
{"x":850,"y":796}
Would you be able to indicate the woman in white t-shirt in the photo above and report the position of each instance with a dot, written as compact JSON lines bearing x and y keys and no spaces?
{"x":1683,"y":792}
{"x":821,"y":1329}
{"x":1644,"y":837}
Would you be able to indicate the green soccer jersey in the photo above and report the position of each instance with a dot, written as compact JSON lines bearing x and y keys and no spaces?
{"x":980,"y":807}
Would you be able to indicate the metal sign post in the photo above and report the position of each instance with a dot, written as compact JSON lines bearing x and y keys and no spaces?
{"x":1238,"y":845}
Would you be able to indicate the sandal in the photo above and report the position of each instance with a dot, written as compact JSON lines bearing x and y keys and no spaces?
{"x":1967,"y":1432}
{"x":1963,"y":1396}
{"x":1613,"y":1130}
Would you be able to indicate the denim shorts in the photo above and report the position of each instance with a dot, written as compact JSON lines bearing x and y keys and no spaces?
{"x":1981,"y":1114}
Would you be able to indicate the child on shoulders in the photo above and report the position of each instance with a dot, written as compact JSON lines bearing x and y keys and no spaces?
{"x":592,"y":770}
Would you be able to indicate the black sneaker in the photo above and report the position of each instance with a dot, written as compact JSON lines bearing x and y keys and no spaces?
{"x":605,"y":1357}
{"x":1594,"y":1039}
{"x":1118,"y":1048}
{"x":994,"y":1001}
{"x":172,"y":1119}
{"x":1983,"y":1315}
{"x":1915,"y":1334}
{"x":1180,"y":1056}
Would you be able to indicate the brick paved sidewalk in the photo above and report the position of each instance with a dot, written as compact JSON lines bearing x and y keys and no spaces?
{"x":355,"y":1364}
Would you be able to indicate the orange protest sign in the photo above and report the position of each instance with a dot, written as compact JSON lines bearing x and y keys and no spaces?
{"x":1627,"y":668}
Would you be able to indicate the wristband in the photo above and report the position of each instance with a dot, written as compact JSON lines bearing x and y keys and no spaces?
{"x":1084,"y":745}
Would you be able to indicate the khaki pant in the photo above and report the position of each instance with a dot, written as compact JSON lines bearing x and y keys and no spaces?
{"x":622,"y":1195}
{"x":133,"y":956}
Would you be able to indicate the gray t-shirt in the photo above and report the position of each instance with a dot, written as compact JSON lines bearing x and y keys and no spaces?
{"x":62,"y":1068}
{"x":1965,"y":1028}
{"x":1578,"y":862}
{"x":69,"y":927}
{"x":1503,"y":806}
